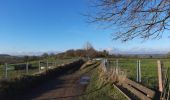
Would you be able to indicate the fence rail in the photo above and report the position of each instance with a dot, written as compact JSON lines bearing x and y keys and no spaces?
{"x":135,"y":88}
{"x":165,"y":95}
{"x":9,"y":71}
{"x":145,"y":72}
{"x":106,"y":70}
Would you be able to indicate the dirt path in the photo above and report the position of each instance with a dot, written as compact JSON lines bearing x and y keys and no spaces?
{"x":65,"y":87}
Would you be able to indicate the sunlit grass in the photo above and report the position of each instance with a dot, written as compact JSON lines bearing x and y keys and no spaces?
{"x":148,"y":70}
{"x":99,"y":90}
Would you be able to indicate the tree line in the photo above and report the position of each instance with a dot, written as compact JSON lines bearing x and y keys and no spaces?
{"x":87,"y":52}
{"x":91,"y":53}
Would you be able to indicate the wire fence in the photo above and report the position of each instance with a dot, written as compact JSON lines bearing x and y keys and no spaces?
{"x":9,"y":71}
{"x":148,"y":70}
{"x":165,"y":94}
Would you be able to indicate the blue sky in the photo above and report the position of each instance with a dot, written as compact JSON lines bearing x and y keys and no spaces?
{"x":57,"y":25}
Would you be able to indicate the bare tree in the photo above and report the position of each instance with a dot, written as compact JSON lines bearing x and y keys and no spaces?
{"x":45,"y":55}
{"x":88,"y":46}
{"x":132,"y":18}
{"x":90,"y":51}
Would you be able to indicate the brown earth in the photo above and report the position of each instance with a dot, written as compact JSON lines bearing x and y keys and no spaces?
{"x":65,"y":87}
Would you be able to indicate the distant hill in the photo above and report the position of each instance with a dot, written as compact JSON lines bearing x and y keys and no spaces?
{"x":5,"y":58}
{"x":146,"y":55}
{"x":4,"y":55}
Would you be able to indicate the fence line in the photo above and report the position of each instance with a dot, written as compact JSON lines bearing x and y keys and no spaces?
{"x":137,"y":89}
{"x":142,"y":71}
{"x":165,"y":86}
{"x":104,"y":65}
{"x":17,"y":70}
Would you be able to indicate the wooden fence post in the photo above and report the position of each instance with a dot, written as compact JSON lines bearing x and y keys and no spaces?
{"x":160,"y":75}
{"x":39,"y":66}
{"x":27,"y":68}
{"x":137,"y":72}
{"x":117,"y":66}
{"x":6,"y":70}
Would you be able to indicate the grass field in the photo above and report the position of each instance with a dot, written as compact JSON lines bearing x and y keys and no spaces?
{"x":148,"y":70}
{"x":17,"y":73}
{"x":99,"y":90}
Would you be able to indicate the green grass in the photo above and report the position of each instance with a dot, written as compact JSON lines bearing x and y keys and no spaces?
{"x":98,"y":90}
{"x":18,"y":73}
{"x":148,"y":70}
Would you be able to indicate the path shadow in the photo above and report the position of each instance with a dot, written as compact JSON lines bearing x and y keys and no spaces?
{"x":52,"y":84}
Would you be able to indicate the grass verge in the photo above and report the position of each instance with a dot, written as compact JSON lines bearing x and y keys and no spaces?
{"x":100,"y":90}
